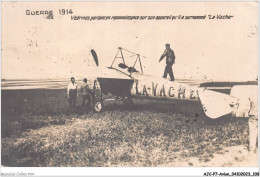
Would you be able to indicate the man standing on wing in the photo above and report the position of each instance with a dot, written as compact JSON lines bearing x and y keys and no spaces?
{"x":170,"y":60}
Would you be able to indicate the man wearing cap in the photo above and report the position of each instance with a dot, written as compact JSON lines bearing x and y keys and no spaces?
{"x":170,"y":60}
{"x":72,"y":93}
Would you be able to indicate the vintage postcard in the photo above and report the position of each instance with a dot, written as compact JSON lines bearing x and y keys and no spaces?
{"x":130,"y":84}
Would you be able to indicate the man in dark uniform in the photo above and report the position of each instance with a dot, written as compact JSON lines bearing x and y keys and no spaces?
{"x":170,"y":60}
{"x":86,"y":94}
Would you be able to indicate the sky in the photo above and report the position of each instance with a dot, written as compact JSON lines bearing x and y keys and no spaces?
{"x":220,"y":50}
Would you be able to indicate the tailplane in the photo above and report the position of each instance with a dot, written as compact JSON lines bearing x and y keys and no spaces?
{"x":215,"y":104}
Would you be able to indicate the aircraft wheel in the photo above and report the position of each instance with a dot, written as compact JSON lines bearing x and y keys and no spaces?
{"x":98,"y":106}
{"x":97,"y":103}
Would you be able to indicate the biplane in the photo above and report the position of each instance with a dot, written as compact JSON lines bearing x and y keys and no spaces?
{"x":133,"y":83}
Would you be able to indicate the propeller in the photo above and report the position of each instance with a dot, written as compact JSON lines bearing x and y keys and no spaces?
{"x":94,"y":54}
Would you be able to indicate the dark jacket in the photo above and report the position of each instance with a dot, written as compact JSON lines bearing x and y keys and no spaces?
{"x":85,"y":89}
{"x":170,"y":57}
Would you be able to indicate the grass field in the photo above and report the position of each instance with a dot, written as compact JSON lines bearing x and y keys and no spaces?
{"x":38,"y":130}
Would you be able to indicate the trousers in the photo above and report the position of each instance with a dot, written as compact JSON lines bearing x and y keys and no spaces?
{"x":87,"y":98}
{"x":168,"y":70}
{"x":72,"y":98}
{"x":253,"y":132}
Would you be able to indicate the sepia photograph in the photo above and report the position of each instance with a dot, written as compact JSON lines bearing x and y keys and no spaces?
{"x":129,"y":84}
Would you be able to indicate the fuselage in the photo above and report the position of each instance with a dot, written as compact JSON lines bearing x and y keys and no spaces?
{"x":214,"y":104}
{"x":150,"y":86}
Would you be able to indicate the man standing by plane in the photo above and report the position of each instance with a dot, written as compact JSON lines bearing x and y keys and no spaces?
{"x":253,"y":122}
{"x":86,"y":94}
{"x":170,"y":60}
{"x":72,"y":93}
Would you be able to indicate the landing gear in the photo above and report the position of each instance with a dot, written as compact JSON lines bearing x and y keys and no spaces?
{"x":98,"y":100}
{"x":98,"y":106}
{"x":128,"y":102}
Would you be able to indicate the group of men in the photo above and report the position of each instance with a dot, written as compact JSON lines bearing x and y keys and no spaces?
{"x":72,"y":89}
{"x":72,"y":93}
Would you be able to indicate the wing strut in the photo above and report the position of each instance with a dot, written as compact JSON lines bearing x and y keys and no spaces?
{"x":122,"y":56}
{"x":114,"y":59}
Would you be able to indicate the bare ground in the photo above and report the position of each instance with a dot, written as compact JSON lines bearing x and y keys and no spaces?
{"x":38,"y":131}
